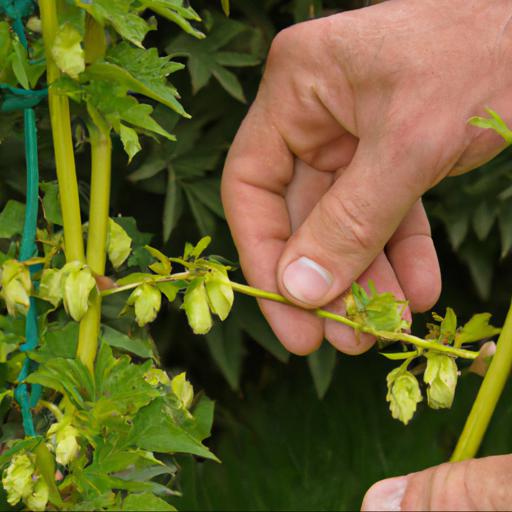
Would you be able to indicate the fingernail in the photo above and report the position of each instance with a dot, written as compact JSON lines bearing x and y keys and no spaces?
{"x":307,"y":281}
{"x":385,"y":495}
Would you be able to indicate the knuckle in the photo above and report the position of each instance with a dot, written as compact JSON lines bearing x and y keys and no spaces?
{"x":282,"y":47}
{"x":344,"y":224}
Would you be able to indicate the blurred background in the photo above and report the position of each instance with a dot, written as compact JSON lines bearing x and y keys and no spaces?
{"x":293,"y":433}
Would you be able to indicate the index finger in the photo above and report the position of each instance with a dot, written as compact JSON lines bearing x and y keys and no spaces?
{"x":258,"y":170}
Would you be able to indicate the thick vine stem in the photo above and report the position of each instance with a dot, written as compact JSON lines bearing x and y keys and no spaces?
{"x":322,"y":313}
{"x":101,"y":168}
{"x":62,"y":141}
{"x":488,"y":396}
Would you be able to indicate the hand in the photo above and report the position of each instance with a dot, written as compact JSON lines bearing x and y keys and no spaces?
{"x":358,"y":114}
{"x":471,"y":485}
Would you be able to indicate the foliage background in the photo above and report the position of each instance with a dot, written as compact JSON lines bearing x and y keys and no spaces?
{"x":294,"y":434}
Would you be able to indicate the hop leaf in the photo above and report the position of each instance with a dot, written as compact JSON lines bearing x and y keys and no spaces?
{"x":403,"y":394}
{"x":147,"y":301}
{"x":78,"y":284}
{"x":220,"y":292}
{"x":67,"y":51}
{"x":441,"y":376}
{"x":17,"y":478}
{"x":196,"y":307}
{"x":65,"y":440}
{"x":183,"y":389}
{"x":119,"y":244}
{"x":478,"y":328}
{"x":16,"y":287}
{"x":156,"y":377}
{"x":38,"y":499}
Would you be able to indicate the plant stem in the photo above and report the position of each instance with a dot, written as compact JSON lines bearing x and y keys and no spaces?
{"x":101,"y":167}
{"x":62,"y":141}
{"x":322,"y":313}
{"x":488,"y":396}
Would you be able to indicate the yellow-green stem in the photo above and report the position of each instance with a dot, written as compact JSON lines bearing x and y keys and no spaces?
{"x":322,"y":313}
{"x":101,"y":165}
{"x":488,"y":396}
{"x":62,"y":141}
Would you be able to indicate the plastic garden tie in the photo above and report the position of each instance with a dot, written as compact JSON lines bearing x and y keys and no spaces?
{"x":17,"y":10}
{"x":20,"y":99}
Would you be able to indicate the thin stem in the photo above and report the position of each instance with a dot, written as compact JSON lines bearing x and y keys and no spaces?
{"x":59,"y":415}
{"x":62,"y":141}
{"x":322,"y":313}
{"x":488,"y":396}
{"x":101,"y":167}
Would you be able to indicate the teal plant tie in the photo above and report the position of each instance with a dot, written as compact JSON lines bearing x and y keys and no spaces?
{"x":19,"y":99}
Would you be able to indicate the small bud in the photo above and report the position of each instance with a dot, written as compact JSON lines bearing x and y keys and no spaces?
{"x":65,"y":441}
{"x":147,"y":301}
{"x":119,"y":244}
{"x":220,"y":293}
{"x":183,"y":389}
{"x":155,"y":377}
{"x":403,"y":394}
{"x":441,"y":376}
{"x":16,"y":287}
{"x":78,"y":285}
{"x":38,"y":499}
{"x":196,"y":307}
{"x":17,"y":478}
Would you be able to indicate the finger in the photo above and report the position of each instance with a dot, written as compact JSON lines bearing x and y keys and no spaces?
{"x":343,"y":337}
{"x":412,"y":254}
{"x":348,"y":228}
{"x":304,"y":192}
{"x":257,"y":172}
{"x":482,"y":484}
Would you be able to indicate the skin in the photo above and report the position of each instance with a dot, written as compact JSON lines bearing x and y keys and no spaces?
{"x":357,"y":116}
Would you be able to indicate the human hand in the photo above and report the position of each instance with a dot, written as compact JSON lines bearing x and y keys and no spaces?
{"x":358,"y":114}
{"x":482,"y":484}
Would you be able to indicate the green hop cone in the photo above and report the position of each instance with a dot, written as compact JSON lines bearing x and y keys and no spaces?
{"x":197,"y":308}
{"x":67,"y":51}
{"x":38,"y":499}
{"x":50,"y":288}
{"x":183,"y":389}
{"x":403,"y":394}
{"x":441,"y":376}
{"x":119,"y":244}
{"x":65,"y":440}
{"x":78,"y":283}
{"x":17,"y":478}
{"x":16,"y":287}
{"x":220,"y":292}
{"x":147,"y":301}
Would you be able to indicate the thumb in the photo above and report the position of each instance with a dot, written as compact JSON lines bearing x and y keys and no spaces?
{"x":477,"y":484}
{"x":349,"y":227}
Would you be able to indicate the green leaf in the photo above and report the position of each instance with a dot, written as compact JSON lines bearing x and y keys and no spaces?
{"x":173,"y":205}
{"x":403,"y":394}
{"x":121,"y":16}
{"x":67,"y":51}
{"x":20,"y":64}
{"x":145,"y":502}
{"x":195,"y":304}
{"x":137,"y":346}
{"x":505,"y":226}
{"x":159,"y":427}
{"x":227,"y":350}
{"x":164,"y":266}
{"x":59,"y":341}
{"x":51,"y":202}
{"x":448,"y":327}
{"x":441,"y":377}
{"x":130,"y":140}
{"x":483,"y":220}
{"x":206,"y":59}
{"x":170,"y":289}
{"x":495,"y":122}
{"x":225,"y":6}
{"x":119,"y":244}
{"x":12,"y":219}
{"x":478,"y":328}
{"x":321,"y":365}
{"x":219,"y":290}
